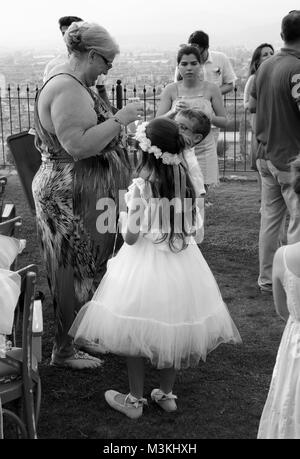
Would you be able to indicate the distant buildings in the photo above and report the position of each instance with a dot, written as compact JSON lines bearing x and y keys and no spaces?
{"x":2,"y":85}
{"x":134,"y":68}
{"x":143,"y":74}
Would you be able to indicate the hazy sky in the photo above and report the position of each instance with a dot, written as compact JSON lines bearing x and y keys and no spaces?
{"x":145,"y":22}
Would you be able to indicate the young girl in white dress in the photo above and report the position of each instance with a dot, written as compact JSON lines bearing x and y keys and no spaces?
{"x":158,"y":300}
{"x":281,"y":414}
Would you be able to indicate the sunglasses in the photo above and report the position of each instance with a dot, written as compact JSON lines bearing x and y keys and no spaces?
{"x":106,"y":61}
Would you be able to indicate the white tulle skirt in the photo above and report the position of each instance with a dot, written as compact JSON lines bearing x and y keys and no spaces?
{"x":157,"y":304}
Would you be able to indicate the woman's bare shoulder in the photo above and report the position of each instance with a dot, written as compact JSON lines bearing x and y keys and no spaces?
{"x":170,"y":88}
{"x":65,"y":88}
{"x":62,"y":80}
{"x":292,"y":258}
{"x":212,"y":87}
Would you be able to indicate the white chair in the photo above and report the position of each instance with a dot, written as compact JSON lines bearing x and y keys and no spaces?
{"x":19,"y":375}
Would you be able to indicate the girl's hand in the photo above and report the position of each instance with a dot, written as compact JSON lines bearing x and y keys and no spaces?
{"x":131,"y":112}
{"x":122,"y":223}
{"x":180,"y":105}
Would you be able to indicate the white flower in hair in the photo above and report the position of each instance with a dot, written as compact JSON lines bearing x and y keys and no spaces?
{"x":145,"y":145}
{"x":170,"y":159}
{"x":156,"y":151}
{"x":140,"y":136}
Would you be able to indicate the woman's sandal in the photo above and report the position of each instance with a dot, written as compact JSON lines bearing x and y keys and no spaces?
{"x":165,"y":401}
{"x":78,"y":361}
{"x":131,"y":406}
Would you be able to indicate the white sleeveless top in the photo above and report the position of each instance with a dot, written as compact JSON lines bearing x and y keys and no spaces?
{"x":291,"y":284}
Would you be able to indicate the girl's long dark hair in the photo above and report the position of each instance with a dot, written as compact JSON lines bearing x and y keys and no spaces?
{"x":164,"y":133}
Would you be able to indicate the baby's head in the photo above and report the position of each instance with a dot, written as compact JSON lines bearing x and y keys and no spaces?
{"x":194,"y":126}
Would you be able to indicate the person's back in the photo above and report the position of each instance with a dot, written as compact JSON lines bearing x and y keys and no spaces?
{"x":289,"y":264}
{"x":276,"y":101}
{"x":277,"y":114}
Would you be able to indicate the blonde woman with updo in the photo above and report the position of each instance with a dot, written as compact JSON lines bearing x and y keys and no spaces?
{"x":281,"y":413}
{"x":83,"y":160}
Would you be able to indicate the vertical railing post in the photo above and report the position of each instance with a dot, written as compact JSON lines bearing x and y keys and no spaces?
{"x":119,"y":94}
{"x":154,"y":101}
{"x":113,"y":95}
{"x":10,"y":109}
{"x":234,"y":132}
{"x":245,"y":139}
{"x":125,"y":95}
{"x":19,"y":108}
{"x":145,"y":104}
{"x":224,"y":143}
{"x":28,"y":106}
{"x":2,"y":131}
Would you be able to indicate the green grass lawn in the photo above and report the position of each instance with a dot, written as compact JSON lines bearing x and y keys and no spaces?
{"x":220,"y":399}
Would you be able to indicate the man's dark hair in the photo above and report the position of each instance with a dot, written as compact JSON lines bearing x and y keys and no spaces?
{"x":290,"y":26}
{"x":66,"y":21}
{"x":200,"y":38}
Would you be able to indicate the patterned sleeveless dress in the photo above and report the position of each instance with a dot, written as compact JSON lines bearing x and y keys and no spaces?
{"x":66,"y":193}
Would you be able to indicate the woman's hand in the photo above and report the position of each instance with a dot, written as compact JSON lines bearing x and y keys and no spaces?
{"x":131,"y":112}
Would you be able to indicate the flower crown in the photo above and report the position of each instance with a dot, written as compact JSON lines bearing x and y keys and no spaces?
{"x":146,"y":146}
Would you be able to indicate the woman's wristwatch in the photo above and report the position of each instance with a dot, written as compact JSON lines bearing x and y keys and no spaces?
{"x":117,"y":120}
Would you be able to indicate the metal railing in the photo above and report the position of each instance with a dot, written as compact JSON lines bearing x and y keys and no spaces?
{"x":17,"y":106}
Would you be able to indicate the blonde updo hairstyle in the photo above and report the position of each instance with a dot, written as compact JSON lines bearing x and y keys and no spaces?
{"x":295,"y":168}
{"x":84,"y":36}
